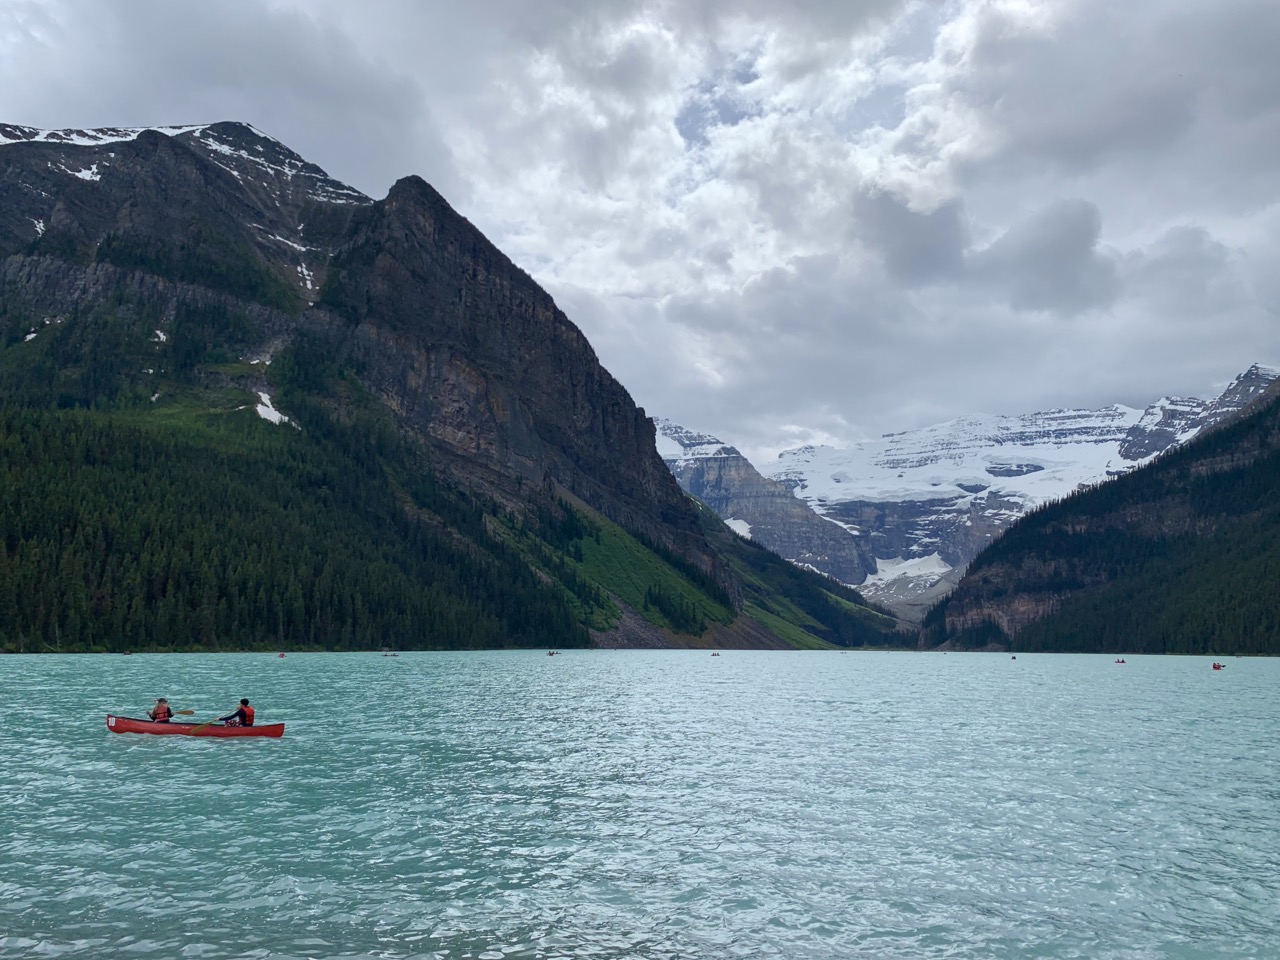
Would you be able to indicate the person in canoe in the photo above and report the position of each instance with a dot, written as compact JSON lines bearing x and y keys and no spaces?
{"x":243,"y":717}
{"x":160,"y":713}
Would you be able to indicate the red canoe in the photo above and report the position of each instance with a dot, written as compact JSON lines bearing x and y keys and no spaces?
{"x":129,"y":725}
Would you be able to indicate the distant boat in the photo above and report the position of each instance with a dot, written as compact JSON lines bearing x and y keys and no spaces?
{"x":1120,"y":660}
{"x":1219,"y":666}
{"x":280,"y":656}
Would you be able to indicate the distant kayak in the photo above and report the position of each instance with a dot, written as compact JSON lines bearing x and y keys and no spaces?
{"x":130,"y":725}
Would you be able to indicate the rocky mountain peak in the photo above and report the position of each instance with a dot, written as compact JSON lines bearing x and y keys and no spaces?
{"x":1171,"y":421}
{"x":1241,"y":392}
{"x":478,"y":357}
{"x":222,"y":185}
{"x":676,"y":442}
{"x":757,"y":507}
{"x":159,"y":270}
{"x":922,"y":503}
{"x":240,"y":149}
{"x":463,"y":345}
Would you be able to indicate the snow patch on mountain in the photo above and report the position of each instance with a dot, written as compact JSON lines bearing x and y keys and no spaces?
{"x":238,"y":148}
{"x":1029,"y":459}
{"x":85,"y":173}
{"x":268,"y":412}
{"x":931,"y":568}
{"x":679,"y":445}
{"x":11,"y":133}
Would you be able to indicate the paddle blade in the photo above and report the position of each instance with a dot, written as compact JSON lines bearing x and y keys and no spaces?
{"x":186,"y":713}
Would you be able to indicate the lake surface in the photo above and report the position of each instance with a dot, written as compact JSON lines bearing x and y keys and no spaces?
{"x":638,"y":804}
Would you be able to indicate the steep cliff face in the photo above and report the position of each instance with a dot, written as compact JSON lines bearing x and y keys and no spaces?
{"x":472,"y":353}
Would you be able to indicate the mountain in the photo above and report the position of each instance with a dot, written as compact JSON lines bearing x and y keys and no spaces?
{"x":904,"y":514}
{"x":324,"y":420}
{"x":1182,"y":556}
{"x":759,"y":508}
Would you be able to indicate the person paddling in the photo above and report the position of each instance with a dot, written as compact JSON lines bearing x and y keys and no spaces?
{"x":242,"y":717}
{"x":160,"y":713}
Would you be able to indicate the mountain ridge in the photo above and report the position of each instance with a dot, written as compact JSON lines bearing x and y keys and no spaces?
{"x":922,"y":503}
{"x":205,"y":288}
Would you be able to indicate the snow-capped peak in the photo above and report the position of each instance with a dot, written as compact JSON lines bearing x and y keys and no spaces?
{"x":677,"y":443}
{"x":239,"y":148}
{"x":11,"y":133}
{"x":1034,"y":457}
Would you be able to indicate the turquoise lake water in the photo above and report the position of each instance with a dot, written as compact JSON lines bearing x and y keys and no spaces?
{"x":637,"y":804}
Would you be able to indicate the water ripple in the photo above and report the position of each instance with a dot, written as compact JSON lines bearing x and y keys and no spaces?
{"x":650,"y":805}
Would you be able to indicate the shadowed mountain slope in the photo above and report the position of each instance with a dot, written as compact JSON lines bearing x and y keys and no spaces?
{"x":443,"y":460}
{"x":1181,"y":556}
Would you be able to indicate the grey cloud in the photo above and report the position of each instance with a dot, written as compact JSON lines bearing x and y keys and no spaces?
{"x":1051,"y":261}
{"x":917,"y":248}
{"x":1093,"y":89}
{"x":814,"y":20}
{"x":1181,"y":95}
{"x":630,"y":69}
{"x":1186,"y":273}
{"x":1229,"y":48}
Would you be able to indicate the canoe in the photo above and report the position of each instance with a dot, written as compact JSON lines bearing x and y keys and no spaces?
{"x":130,"y":725}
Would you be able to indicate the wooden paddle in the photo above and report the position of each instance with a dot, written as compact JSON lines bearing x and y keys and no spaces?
{"x":203,"y":725}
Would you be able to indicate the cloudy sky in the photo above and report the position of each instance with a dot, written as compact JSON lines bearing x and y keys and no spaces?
{"x":780,"y":221}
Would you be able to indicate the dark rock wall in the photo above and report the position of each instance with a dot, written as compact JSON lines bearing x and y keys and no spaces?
{"x":472,"y":353}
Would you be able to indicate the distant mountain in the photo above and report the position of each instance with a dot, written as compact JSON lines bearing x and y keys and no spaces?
{"x":759,"y":508}
{"x":1182,"y":556}
{"x":905,"y":513}
{"x":248,"y":406}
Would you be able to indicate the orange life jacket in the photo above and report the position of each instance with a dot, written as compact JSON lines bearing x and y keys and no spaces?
{"x":161,"y":713}
{"x":248,"y":715}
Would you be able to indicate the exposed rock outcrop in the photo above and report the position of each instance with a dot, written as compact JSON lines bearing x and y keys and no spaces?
{"x":760,"y":508}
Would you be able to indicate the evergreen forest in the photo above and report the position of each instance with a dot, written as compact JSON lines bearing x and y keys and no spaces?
{"x":145,"y":505}
{"x":1180,"y":557}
